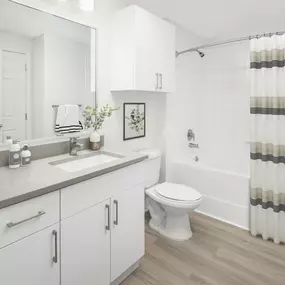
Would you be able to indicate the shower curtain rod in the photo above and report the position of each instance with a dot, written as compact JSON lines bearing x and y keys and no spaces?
{"x":228,"y":42}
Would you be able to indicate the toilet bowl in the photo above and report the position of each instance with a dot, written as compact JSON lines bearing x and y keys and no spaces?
{"x":169,"y":205}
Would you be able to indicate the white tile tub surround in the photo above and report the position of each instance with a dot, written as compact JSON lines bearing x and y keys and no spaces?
{"x":212,"y":98}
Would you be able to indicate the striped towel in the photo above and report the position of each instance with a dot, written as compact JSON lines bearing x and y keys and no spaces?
{"x":67,"y":120}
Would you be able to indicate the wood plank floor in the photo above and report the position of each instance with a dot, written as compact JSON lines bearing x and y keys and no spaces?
{"x":217,"y":254}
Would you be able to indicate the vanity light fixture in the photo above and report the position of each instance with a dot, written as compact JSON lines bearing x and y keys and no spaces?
{"x":86,"y":5}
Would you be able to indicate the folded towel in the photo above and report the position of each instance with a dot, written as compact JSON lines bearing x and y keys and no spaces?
{"x":67,"y":119}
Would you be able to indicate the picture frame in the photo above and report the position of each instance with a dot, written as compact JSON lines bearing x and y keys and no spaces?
{"x":134,"y":123}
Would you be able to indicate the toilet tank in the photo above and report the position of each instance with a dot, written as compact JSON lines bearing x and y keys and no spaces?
{"x":151,"y":167}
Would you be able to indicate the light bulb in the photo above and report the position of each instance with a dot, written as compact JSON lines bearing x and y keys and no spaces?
{"x":86,"y":5}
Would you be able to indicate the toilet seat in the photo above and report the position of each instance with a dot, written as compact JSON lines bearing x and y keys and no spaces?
{"x":154,"y":193}
{"x":177,"y":192}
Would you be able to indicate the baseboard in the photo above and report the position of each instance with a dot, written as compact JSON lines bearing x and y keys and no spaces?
{"x":127,"y":273}
{"x":225,"y":211}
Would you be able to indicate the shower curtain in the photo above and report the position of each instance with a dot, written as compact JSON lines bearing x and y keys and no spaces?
{"x":267,"y":153}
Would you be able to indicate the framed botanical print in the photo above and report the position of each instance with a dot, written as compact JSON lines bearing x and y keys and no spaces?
{"x":134,"y":121}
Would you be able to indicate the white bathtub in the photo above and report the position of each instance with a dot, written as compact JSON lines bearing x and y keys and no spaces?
{"x":225,"y":194}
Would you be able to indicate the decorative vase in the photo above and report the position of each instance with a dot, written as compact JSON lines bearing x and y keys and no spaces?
{"x":95,"y":143}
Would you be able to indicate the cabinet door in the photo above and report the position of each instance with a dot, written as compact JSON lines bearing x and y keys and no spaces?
{"x":166,"y":57}
{"x":147,"y":51}
{"x":127,"y":235}
{"x":31,"y":261}
{"x":85,"y":247}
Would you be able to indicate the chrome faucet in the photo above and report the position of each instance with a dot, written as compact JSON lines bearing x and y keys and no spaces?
{"x":191,"y":137}
{"x":74,"y":146}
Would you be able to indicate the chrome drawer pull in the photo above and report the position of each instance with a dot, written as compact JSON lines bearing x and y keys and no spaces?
{"x":55,"y":258}
{"x":116,"y":222}
{"x":157,"y":81}
{"x":160,"y":75}
{"x":39,"y":214}
{"x":107,"y":228}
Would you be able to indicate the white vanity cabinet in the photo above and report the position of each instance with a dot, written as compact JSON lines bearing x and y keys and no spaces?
{"x":127,"y":230}
{"x":33,"y":260}
{"x":29,"y":242}
{"x":99,"y":244}
{"x":142,"y":52}
{"x":85,"y":247}
{"x":102,"y":227}
{"x":91,"y":233}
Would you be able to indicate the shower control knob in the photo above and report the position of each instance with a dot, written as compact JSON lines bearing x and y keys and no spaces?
{"x":190,"y":135}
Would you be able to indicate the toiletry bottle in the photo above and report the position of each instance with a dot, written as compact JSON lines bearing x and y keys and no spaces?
{"x":25,"y":156}
{"x":9,"y":140}
{"x":95,"y":143}
{"x":14,"y":155}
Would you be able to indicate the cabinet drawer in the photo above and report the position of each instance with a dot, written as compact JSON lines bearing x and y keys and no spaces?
{"x":81,"y":196}
{"x":23,"y":219}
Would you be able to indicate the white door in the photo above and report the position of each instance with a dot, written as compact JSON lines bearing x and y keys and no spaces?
{"x":85,"y":247}
{"x":127,"y":235}
{"x":13,"y":87}
{"x":30,"y":261}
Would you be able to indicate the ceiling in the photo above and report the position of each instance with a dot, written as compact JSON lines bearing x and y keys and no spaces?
{"x":220,"y":19}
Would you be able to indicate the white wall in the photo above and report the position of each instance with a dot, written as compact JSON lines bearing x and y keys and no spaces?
{"x":67,"y":76}
{"x":61,"y":70}
{"x":212,"y":98}
{"x":38,"y":86}
{"x":155,"y":102}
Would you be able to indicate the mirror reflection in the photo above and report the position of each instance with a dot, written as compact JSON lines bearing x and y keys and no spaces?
{"x":47,"y":73}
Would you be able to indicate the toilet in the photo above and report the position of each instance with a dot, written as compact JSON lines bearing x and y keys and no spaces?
{"x":169,"y":204}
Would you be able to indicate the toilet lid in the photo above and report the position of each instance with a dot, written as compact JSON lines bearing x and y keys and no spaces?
{"x":177,"y":192}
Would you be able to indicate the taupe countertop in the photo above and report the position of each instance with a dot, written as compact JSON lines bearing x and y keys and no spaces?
{"x":40,"y":178}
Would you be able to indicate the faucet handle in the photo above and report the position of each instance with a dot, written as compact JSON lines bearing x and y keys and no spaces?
{"x":73,"y":139}
{"x":190,"y":135}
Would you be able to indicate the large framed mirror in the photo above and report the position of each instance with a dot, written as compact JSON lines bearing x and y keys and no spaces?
{"x":46,"y":62}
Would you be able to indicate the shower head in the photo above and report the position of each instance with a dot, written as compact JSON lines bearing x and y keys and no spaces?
{"x":200,"y":53}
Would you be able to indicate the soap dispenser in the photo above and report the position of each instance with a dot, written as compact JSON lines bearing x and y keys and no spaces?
{"x":9,"y":140}
{"x":25,"y":156}
{"x":14,"y":155}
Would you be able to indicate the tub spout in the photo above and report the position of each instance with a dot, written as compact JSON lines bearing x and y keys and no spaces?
{"x":193,"y":145}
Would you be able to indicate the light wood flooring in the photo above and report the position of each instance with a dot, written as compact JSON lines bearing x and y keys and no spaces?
{"x":217,"y":254}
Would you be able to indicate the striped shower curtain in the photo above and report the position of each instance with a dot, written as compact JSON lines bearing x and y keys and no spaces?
{"x":267,"y":183}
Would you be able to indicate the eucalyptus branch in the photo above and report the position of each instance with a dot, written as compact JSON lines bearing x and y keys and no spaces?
{"x":95,"y":117}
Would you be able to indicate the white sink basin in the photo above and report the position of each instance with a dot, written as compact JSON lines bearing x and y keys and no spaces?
{"x":82,"y":163}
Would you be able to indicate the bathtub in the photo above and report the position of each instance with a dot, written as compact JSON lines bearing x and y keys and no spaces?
{"x":225,"y":193}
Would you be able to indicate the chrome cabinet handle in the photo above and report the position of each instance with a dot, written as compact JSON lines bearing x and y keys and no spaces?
{"x":55,"y":258}
{"x":157,"y":81}
{"x":116,"y":222}
{"x":160,"y":75}
{"x":107,"y":227}
{"x":39,"y":214}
